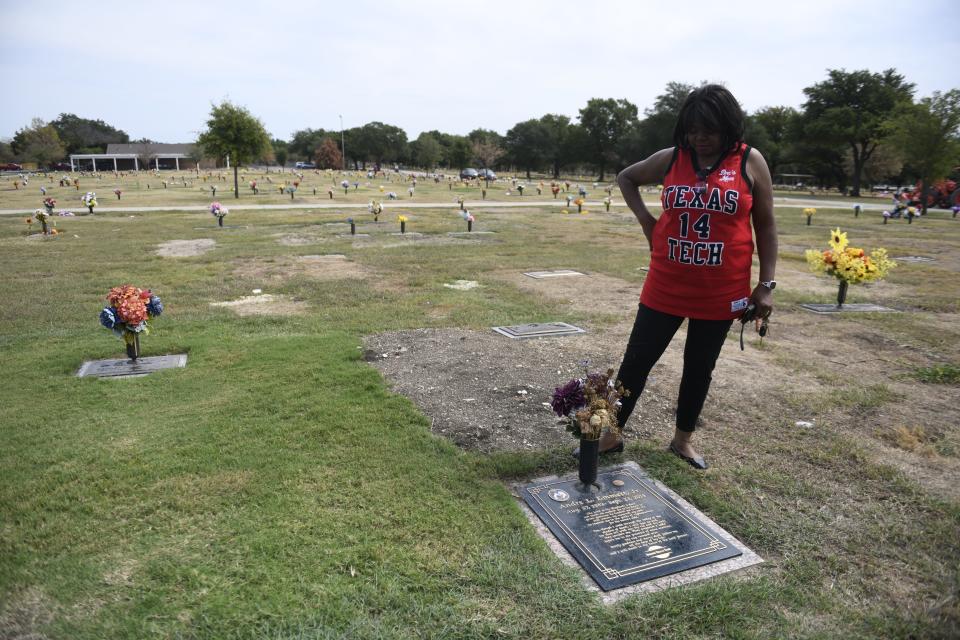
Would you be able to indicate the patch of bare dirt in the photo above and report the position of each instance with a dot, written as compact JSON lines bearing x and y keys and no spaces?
{"x":591,"y":293}
{"x":392,"y":241}
{"x":299,"y":239}
{"x":486,"y":392}
{"x":319,"y":267}
{"x":264,"y":304}
{"x":24,"y":613}
{"x":185,"y":248}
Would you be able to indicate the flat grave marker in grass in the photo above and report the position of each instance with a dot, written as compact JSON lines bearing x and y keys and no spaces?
{"x":913,"y":259}
{"x":539,"y":330}
{"x":632,"y":530}
{"x":847,"y":308}
{"x":126,"y":368}
{"x":557,"y":273}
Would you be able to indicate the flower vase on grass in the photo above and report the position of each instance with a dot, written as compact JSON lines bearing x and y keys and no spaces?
{"x":41,"y":217}
{"x":809,"y":212}
{"x":849,"y":265}
{"x":218,"y":211}
{"x":127,"y":316}
{"x":403,"y":223}
{"x":118,"y":193}
{"x":375,"y":208}
{"x":589,"y":405}
{"x":90,"y":200}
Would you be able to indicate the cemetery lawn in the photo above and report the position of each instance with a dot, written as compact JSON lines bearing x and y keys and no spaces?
{"x":280,"y":486}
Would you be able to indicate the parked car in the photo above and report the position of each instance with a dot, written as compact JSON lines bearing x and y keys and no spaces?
{"x":469,"y":174}
{"x":486,"y":174}
{"x":60,"y":166}
{"x":10,"y":166}
{"x":305,"y":165}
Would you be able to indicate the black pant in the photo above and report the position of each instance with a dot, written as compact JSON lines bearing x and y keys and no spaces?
{"x":652,"y":332}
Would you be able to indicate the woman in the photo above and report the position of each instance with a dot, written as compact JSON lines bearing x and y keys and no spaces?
{"x":714,"y":187}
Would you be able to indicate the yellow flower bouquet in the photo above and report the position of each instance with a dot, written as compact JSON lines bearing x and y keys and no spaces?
{"x":849,"y":265}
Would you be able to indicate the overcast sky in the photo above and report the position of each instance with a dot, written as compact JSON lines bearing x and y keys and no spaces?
{"x":153,"y":69}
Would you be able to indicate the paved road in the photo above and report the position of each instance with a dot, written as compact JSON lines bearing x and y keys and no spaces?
{"x":795,"y":203}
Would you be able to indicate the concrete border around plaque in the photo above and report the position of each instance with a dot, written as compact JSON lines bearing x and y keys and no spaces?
{"x":353,"y":235}
{"x":742,"y":556}
{"x":226,"y":226}
{"x":470,"y":233}
{"x":556,"y":273}
{"x":539,"y":330}
{"x":407,"y":234}
{"x":847,"y":308}
{"x":126,"y":368}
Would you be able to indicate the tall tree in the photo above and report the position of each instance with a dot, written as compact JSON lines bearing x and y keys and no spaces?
{"x":425,"y":151}
{"x":529,"y":145}
{"x":81,"y":135}
{"x":304,"y":142}
{"x":487,"y":136}
{"x":854,"y":109}
{"x":656,"y":128}
{"x":459,"y":152}
{"x":232,"y":131}
{"x":776,"y":123}
{"x":558,"y":131}
{"x":38,"y":143}
{"x":386,"y":142}
{"x":280,"y":151}
{"x":328,"y":156}
{"x":928,"y":134}
{"x":145,"y":152}
{"x":605,"y":122}
{"x":487,"y":152}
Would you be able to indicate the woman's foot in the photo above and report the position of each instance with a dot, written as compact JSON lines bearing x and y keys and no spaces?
{"x":609,"y":443}
{"x":680,"y":446}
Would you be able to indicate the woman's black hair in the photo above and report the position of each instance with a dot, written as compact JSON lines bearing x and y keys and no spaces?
{"x":714,"y":108}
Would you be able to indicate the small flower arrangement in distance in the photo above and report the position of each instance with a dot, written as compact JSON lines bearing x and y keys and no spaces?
{"x":89,"y":200}
{"x":590,"y":404}
{"x":218,"y":211}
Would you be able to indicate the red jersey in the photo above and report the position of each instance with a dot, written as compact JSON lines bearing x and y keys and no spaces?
{"x":703,"y":241}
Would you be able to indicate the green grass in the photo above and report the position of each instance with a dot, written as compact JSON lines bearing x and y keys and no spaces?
{"x":938,"y":374}
{"x":275,"y":487}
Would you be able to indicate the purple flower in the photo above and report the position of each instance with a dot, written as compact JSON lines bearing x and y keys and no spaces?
{"x":568,"y":398}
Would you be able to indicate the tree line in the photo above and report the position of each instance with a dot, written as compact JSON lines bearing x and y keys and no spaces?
{"x":854,"y":127}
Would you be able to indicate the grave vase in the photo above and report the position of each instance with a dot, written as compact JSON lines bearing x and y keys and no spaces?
{"x":589,"y":460}
{"x":842,"y":293}
{"x":133,"y":345}
{"x":219,"y":221}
